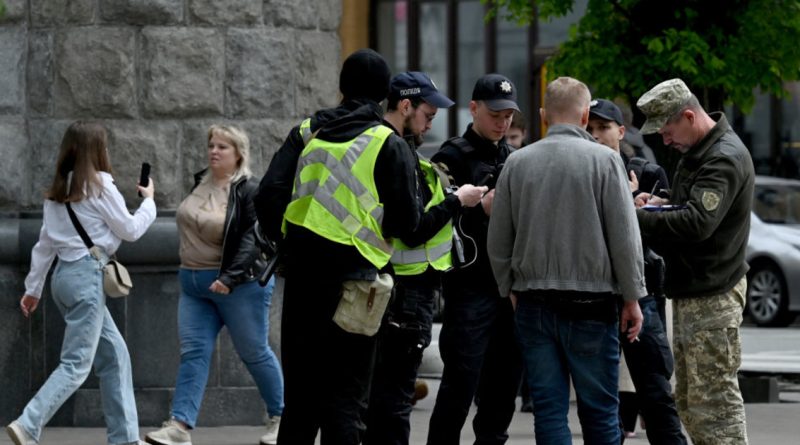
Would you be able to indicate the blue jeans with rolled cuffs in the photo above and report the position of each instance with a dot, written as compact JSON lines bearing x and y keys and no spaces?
{"x":556,"y":348}
{"x":90,"y":337}
{"x":201,"y":315}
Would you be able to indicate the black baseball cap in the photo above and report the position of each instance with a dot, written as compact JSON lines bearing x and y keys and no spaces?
{"x":606,"y":110}
{"x":497,"y":92}
{"x":417,"y":84}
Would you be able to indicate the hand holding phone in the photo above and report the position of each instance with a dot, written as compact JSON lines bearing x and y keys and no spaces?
{"x":144,"y":176}
{"x":486,"y":179}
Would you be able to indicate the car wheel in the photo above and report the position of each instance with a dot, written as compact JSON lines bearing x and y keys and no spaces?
{"x":767,"y":297}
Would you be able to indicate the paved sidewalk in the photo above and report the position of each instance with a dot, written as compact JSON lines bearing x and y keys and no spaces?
{"x":768,"y":424}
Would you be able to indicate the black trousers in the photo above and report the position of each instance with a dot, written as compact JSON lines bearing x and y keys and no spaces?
{"x":327,"y":371}
{"x":651,"y":364}
{"x":404,"y":335}
{"x":479,"y":346}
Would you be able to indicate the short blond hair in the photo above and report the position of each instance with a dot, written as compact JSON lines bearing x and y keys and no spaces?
{"x":566,"y":99}
{"x":240,"y":142}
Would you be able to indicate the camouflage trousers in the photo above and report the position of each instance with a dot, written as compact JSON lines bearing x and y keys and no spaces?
{"x":708,"y":353}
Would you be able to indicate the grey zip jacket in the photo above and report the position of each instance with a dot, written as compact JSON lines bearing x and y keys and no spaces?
{"x":563,"y":219}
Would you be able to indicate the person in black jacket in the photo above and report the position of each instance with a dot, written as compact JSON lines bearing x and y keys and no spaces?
{"x":328,"y":370}
{"x":218,"y":286}
{"x":649,"y":360}
{"x":406,"y":328}
{"x":477,"y":341}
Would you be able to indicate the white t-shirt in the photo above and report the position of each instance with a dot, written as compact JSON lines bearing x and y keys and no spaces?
{"x":106,"y":220}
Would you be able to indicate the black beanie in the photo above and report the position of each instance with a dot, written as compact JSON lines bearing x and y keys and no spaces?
{"x":365,"y":74}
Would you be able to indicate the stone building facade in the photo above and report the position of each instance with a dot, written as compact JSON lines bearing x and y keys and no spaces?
{"x":157,"y":73}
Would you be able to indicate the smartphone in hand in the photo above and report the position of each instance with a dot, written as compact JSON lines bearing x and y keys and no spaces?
{"x":144,"y":176}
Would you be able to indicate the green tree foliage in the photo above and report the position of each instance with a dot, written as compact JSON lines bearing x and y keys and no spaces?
{"x":2,"y":9}
{"x":723,"y":49}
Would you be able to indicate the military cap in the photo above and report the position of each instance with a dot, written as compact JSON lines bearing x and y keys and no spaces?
{"x":661,"y":103}
{"x":496,"y":91}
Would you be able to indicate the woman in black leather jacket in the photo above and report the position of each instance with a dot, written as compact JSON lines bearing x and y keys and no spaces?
{"x":218,"y":286}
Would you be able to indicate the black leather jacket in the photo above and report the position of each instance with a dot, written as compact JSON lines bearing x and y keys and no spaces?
{"x":239,"y":250}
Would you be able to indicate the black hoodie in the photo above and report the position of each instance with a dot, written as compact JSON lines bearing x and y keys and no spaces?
{"x":395,"y":179}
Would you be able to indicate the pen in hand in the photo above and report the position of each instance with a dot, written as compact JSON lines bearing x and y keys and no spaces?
{"x":655,"y":187}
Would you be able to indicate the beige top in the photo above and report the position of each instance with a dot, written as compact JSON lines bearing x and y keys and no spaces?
{"x":201,"y":222}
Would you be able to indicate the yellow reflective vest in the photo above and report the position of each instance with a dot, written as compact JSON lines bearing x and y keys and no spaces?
{"x":334,"y":192}
{"x":436,"y":251}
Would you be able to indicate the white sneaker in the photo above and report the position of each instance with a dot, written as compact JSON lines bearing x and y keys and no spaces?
{"x":273,"y":425}
{"x":171,"y":433}
{"x":18,"y":434}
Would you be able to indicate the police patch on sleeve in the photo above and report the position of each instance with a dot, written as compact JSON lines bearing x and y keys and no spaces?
{"x":711,"y":200}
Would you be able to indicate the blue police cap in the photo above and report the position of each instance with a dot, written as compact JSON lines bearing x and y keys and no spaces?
{"x":412,"y":84}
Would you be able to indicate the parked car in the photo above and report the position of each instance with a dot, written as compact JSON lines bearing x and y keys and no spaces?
{"x":773,"y":252}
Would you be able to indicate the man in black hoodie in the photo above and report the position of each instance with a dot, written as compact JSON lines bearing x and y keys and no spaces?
{"x":327,"y":370}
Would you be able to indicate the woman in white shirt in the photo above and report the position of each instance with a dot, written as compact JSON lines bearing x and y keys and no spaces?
{"x":83,"y":179}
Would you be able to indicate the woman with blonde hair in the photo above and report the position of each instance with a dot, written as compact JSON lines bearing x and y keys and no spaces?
{"x":83,"y":182}
{"x":219,"y":287}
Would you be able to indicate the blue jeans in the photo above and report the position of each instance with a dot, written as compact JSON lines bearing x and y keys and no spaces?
{"x":554,"y":348}
{"x":90,"y":337}
{"x":201,"y":315}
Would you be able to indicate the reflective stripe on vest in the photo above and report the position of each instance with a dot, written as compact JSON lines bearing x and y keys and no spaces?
{"x":337,"y":198}
{"x":436,"y":251}
{"x":420,"y":255}
{"x":305,"y":131}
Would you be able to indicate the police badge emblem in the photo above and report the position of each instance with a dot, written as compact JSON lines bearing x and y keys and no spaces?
{"x":711,"y":200}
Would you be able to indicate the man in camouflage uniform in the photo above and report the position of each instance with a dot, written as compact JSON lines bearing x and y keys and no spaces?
{"x":702,"y":237}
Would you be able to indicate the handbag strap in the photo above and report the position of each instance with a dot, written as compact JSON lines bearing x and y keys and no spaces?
{"x":79,"y":227}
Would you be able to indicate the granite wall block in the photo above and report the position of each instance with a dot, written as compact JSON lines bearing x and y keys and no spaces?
{"x":317,"y":84}
{"x":39,"y":72}
{"x":142,"y":12}
{"x":13,"y":45}
{"x":16,"y":11}
{"x":62,"y":12}
{"x":231,"y":12}
{"x":15,"y":166}
{"x":158,"y":142}
{"x":95,"y":72}
{"x":183,"y":72}
{"x":260,"y":82}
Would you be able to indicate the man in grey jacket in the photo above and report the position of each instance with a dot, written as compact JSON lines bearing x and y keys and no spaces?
{"x":564,"y":243}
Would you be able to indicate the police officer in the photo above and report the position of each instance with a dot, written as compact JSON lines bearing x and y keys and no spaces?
{"x":418,"y":260}
{"x":477,"y":341}
{"x":341,"y":186}
{"x":648,"y":360}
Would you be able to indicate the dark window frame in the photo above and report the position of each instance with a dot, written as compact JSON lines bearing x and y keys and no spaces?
{"x":534,"y":63}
